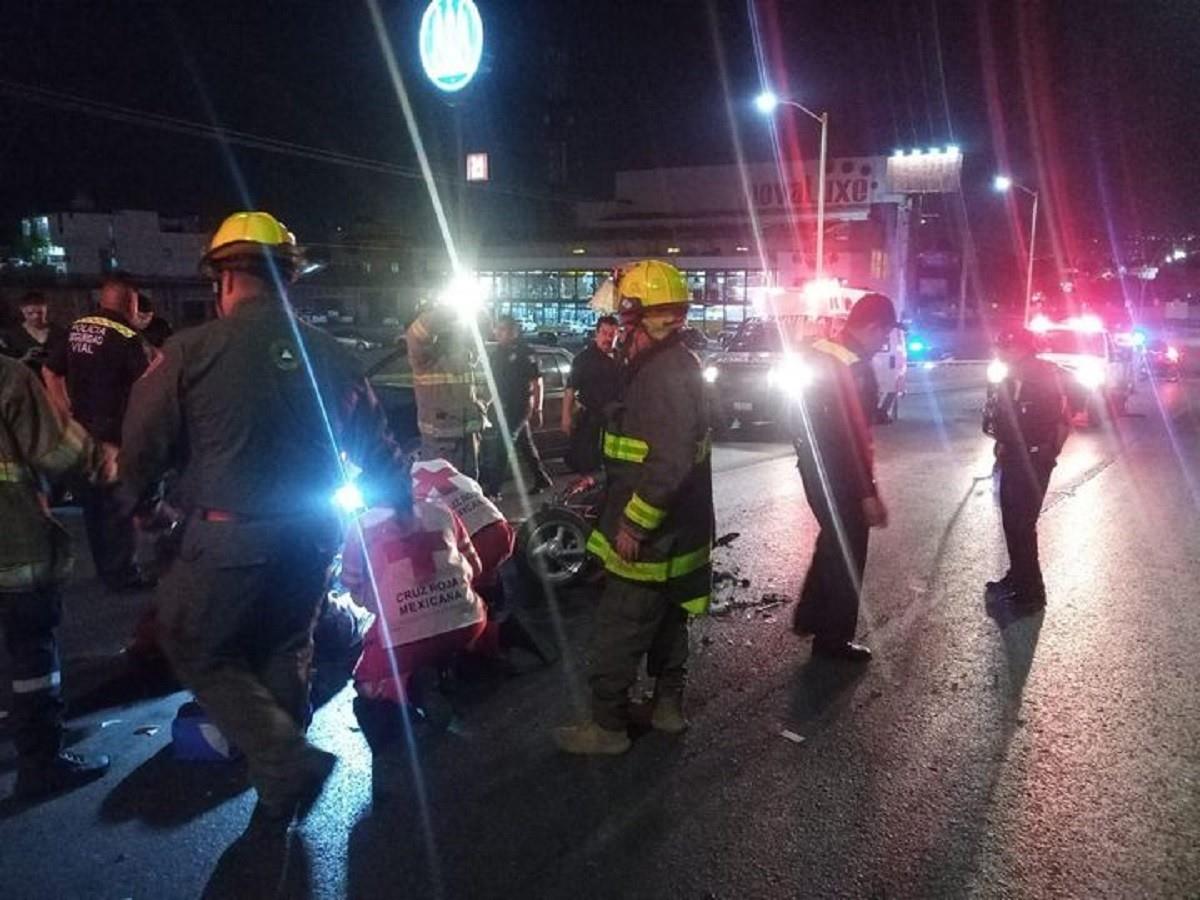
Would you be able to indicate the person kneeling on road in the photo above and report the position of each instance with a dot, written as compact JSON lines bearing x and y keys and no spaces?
{"x":413,"y":565}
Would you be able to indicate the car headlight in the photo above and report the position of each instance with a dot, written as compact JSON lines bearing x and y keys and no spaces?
{"x":1090,"y":374}
{"x":997,"y":371}
{"x":791,"y":375}
{"x":711,"y":373}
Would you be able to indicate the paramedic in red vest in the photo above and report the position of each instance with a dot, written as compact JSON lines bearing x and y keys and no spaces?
{"x":413,"y":565}
{"x":436,"y":481}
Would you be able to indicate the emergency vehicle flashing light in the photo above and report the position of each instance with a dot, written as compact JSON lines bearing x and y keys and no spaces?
{"x":1085,"y":324}
{"x":1173,"y":354}
{"x":997,"y":371}
{"x":349,"y":499}
{"x":711,"y":374}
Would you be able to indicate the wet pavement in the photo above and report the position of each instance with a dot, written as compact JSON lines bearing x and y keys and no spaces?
{"x":978,"y":755}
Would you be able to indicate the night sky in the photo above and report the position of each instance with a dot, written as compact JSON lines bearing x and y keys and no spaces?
{"x":1096,"y":101}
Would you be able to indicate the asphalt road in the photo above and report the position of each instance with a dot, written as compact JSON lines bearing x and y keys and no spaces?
{"x":1055,"y":755}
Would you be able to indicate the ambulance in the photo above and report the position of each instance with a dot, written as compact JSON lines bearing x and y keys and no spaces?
{"x":1098,"y":370}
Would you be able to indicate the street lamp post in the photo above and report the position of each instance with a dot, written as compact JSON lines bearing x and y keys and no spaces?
{"x":766,"y":102}
{"x":1003,"y":184}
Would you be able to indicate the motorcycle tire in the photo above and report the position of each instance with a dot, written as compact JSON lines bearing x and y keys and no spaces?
{"x":552,"y":547}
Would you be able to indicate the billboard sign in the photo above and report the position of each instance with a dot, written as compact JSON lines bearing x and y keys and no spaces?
{"x":451,"y":43}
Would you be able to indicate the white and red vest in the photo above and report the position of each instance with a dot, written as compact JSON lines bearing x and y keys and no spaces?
{"x":437,"y":480}
{"x":419,"y":579}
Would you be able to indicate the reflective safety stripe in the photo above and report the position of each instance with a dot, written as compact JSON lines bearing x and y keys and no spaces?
{"x":837,"y":351}
{"x":625,"y":449}
{"x":68,"y":452}
{"x":658,"y":572}
{"x":443,"y":378}
{"x":697,"y":606}
{"x":33,"y":685}
{"x":13,"y":472}
{"x":123,"y":330}
{"x":642,"y":513}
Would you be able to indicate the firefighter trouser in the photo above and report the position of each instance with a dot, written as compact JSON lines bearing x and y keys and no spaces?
{"x":828,"y":607}
{"x":238,"y":608}
{"x":1023,"y":484}
{"x":28,"y":621}
{"x":496,"y":459}
{"x":635,"y":620}
{"x":111,"y":535}
{"x":461,"y":452}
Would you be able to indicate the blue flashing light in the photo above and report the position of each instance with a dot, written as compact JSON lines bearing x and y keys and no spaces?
{"x":916,"y":345}
{"x":1139,"y":338}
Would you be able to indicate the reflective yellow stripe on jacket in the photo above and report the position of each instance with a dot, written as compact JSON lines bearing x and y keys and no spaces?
{"x":642,"y":513}
{"x":837,"y":351}
{"x":123,"y":330}
{"x":13,"y":472}
{"x":654,"y":572}
{"x":625,"y":449}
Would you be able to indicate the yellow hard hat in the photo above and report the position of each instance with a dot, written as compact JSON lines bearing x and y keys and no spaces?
{"x":651,"y":283}
{"x":251,"y":235}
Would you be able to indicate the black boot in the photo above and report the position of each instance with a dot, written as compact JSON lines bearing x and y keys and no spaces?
{"x":60,"y":773}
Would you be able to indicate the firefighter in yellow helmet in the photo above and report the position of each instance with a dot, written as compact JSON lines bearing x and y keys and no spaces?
{"x":257,"y":412}
{"x":655,"y":534}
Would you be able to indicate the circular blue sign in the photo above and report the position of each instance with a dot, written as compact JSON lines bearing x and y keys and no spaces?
{"x":451,"y":43}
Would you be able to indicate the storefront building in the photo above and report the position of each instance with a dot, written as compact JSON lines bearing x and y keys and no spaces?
{"x":732,"y":230}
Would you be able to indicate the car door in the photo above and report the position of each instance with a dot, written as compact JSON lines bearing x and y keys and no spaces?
{"x":553,"y":365}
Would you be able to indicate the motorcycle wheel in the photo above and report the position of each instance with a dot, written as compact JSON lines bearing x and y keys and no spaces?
{"x":552,"y":546}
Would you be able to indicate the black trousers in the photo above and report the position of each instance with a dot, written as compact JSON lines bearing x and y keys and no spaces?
{"x":496,"y":460}
{"x":238,"y":608}
{"x":28,"y":621}
{"x":111,"y":536}
{"x":584,"y":454}
{"x":828,"y":607}
{"x":1023,"y":484}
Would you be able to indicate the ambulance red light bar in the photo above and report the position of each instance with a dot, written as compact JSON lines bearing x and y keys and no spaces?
{"x":1087,"y":324}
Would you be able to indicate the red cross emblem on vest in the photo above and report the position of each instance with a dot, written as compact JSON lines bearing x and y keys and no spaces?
{"x":430,"y":480}
{"x":418,"y":548}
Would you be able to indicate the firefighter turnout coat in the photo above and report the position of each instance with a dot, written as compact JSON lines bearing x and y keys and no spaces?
{"x":448,"y":405}
{"x":657,"y":451}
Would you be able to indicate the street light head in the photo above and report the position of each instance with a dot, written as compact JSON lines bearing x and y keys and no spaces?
{"x":1002,"y":183}
{"x":766,"y":102}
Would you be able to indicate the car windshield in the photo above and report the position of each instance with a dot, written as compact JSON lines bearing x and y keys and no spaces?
{"x":757,"y":337}
{"x":1073,"y":342}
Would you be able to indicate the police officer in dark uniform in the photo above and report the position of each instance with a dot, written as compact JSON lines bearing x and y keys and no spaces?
{"x":517,"y":405}
{"x":259,"y":413}
{"x":1027,"y":415}
{"x":94,"y":369}
{"x":594,"y":385}
{"x":832,"y":428}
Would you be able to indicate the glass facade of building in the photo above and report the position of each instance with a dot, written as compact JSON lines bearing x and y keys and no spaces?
{"x":550,"y":298}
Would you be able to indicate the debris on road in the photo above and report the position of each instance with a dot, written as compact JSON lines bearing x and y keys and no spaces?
{"x":146,"y":730}
{"x":726,"y":539}
{"x":788,"y":735}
